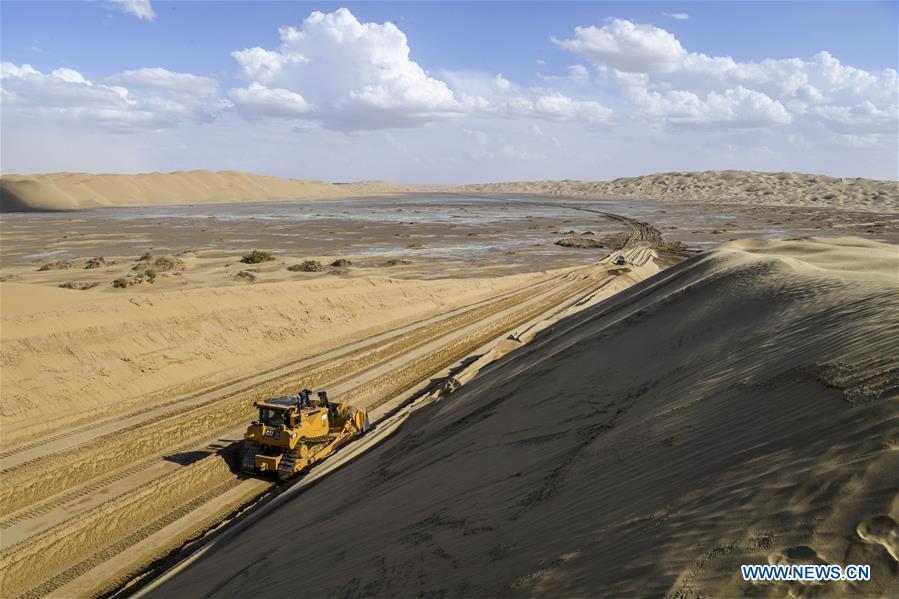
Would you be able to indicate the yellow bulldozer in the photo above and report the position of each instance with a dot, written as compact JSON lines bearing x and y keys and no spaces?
{"x":293,"y":432}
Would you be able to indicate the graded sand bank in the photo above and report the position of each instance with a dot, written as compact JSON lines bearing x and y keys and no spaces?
{"x":70,"y":191}
{"x":69,"y":356}
{"x":740,"y":407}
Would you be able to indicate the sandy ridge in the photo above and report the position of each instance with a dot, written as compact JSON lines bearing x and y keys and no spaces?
{"x":720,"y":187}
{"x":70,"y":191}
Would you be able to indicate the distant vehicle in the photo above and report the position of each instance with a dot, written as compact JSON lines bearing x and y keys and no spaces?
{"x":293,"y":432}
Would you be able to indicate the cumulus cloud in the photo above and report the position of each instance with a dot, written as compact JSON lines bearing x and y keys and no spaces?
{"x":628,"y":47}
{"x":665,"y":81}
{"x":142,"y":9}
{"x":349,"y":75}
{"x":552,"y":106}
{"x":494,"y":96}
{"x":738,"y":107}
{"x":263,"y":101}
{"x":144,"y":99}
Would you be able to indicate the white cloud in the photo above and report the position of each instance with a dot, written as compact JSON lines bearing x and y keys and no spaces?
{"x":164,"y":80}
{"x":738,"y":107}
{"x":861,"y":118}
{"x":667,"y":82}
{"x":576,"y":72}
{"x":357,"y":76}
{"x":554,"y":106}
{"x":265,"y":65}
{"x":152,"y":99}
{"x":259,"y":100}
{"x":138,"y":8}
{"x":679,"y":16}
{"x":483,"y":95}
{"x":626,"y":46}
{"x":353,"y":75}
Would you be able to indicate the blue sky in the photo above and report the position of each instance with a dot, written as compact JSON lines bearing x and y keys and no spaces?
{"x":508,"y":90}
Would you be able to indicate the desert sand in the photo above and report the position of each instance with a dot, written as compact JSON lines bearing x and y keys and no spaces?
{"x":739,"y":407}
{"x":69,"y":191}
{"x":721,"y":187}
{"x":134,"y":340}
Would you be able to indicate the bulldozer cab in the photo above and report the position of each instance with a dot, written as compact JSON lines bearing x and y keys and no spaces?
{"x":275,"y":417}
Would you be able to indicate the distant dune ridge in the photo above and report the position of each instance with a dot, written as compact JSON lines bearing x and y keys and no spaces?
{"x":738,"y":408}
{"x":70,"y":191}
{"x":721,"y":187}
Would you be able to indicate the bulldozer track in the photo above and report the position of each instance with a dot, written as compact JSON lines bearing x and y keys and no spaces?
{"x":72,"y":547}
{"x":110,"y":552}
{"x":54,"y":502}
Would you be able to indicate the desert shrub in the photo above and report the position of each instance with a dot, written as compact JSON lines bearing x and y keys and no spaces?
{"x":307,"y":266}
{"x":397,"y":262}
{"x":144,"y":257}
{"x":256,"y":256}
{"x":121,"y":283}
{"x":341,"y":263}
{"x":168,"y":263}
{"x":58,"y":265}
{"x":98,"y":262}
{"x":150,"y":274}
{"x":79,"y":286}
{"x":246,"y":276}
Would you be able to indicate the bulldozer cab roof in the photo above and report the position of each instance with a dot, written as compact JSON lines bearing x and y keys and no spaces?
{"x":278,"y":403}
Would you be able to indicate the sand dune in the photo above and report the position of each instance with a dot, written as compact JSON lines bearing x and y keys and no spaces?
{"x":722,"y":187}
{"x":68,"y":191}
{"x":737,"y":408}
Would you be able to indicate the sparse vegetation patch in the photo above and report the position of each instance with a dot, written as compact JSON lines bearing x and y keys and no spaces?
{"x":307,"y":266}
{"x":58,"y":265}
{"x":79,"y":286}
{"x":97,"y":262}
{"x":256,"y":257}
